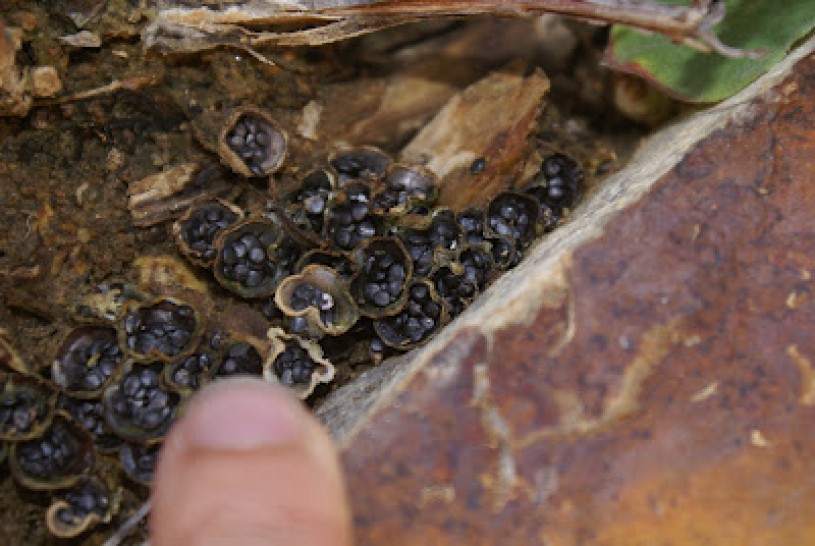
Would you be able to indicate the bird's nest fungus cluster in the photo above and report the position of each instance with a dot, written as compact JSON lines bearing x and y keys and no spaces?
{"x":355,"y":247}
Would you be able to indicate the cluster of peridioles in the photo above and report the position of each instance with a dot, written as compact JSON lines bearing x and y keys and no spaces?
{"x":95,"y":426}
{"x":360,"y":237}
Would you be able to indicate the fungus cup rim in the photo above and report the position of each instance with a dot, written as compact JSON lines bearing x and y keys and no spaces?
{"x":232,"y":160}
{"x":328,"y":280}
{"x":278,"y":339}
{"x":153,"y":355}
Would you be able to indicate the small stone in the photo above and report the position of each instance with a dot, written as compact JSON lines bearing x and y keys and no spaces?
{"x":45,"y":82}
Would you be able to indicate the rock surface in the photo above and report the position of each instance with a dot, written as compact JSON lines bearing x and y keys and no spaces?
{"x":645,"y":377}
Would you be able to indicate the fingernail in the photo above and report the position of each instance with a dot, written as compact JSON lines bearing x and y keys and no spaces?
{"x":241,"y":414}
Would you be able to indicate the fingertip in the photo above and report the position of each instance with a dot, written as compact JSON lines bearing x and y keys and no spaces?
{"x":243,"y":413}
{"x":248,"y":464}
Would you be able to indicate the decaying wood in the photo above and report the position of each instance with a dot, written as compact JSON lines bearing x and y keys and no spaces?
{"x":476,"y":123}
{"x":420,"y":79}
{"x":178,"y":28}
{"x":10,"y":358}
{"x":129,"y":84}
{"x":15,"y":99}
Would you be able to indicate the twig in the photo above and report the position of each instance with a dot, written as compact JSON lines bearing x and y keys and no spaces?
{"x":690,"y":25}
{"x":177,"y":30}
{"x":128,"y":526}
{"x":129,"y":84}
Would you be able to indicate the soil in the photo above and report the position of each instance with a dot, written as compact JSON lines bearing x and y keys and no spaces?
{"x":65,"y":169}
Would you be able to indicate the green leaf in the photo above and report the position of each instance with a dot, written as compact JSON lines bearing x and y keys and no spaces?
{"x":769,"y":26}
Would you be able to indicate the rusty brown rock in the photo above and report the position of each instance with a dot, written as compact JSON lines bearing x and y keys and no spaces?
{"x":644,"y":377}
